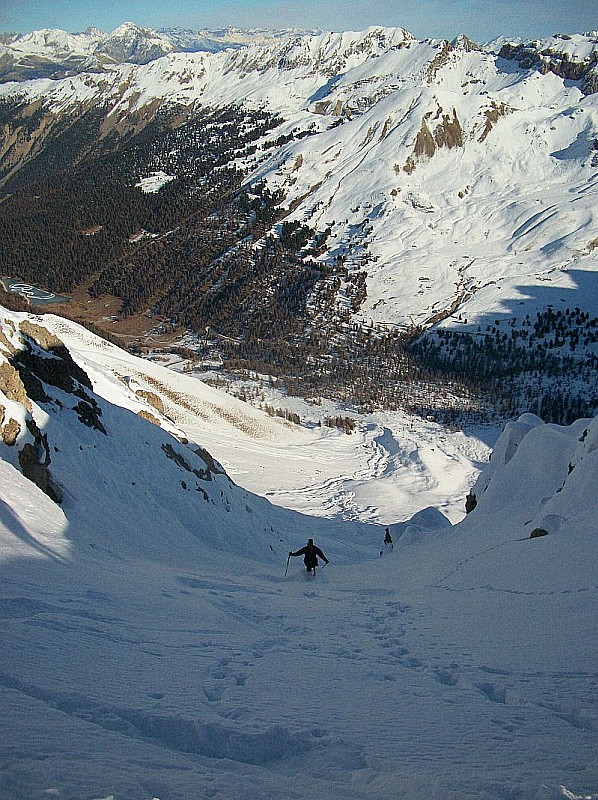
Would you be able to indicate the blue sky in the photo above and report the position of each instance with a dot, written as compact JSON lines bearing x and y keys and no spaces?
{"x":480,"y":19}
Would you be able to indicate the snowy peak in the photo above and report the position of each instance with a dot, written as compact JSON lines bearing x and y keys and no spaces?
{"x":325,"y":54}
{"x":55,"y":43}
{"x":137,"y":45}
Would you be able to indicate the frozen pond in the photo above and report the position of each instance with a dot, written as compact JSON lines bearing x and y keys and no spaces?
{"x":35,"y":296}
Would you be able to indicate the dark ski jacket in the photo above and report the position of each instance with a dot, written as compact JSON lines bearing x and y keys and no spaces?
{"x":471,"y":502}
{"x":310,"y":554}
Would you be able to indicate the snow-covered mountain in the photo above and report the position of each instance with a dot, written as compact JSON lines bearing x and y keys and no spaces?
{"x":154,"y":647}
{"x":463,"y":183}
{"x":55,"y":53}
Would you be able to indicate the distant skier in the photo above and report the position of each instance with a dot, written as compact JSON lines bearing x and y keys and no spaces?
{"x":310,"y":554}
{"x":471,"y":502}
{"x":387,"y":542}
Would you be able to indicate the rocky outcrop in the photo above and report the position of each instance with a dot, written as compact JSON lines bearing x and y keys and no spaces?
{"x":27,"y":376}
{"x":492,"y":115}
{"x":152,"y":398}
{"x":12,"y":386}
{"x":446,"y":133}
{"x":149,"y":417}
{"x":60,"y":369}
{"x":537,"y":532}
{"x":10,"y":431}
{"x":89,"y":412}
{"x":590,"y":81}
{"x":529,"y":55}
{"x":34,"y":460}
{"x":211,"y":466}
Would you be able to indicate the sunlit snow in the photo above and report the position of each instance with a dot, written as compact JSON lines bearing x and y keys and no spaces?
{"x":154,"y":182}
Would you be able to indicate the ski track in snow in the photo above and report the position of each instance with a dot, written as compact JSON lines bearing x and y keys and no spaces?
{"x":282,"y":690}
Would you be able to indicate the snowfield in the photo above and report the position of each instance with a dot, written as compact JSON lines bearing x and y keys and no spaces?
{"x":152,"y":647}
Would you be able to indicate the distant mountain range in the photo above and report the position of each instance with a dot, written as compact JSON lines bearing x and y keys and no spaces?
{"x":437,"y":182}
{"x":54,"y":53}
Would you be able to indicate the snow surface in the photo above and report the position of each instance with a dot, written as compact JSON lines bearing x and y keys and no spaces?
{"x":154,"y":182}
{"x":152,"y":647}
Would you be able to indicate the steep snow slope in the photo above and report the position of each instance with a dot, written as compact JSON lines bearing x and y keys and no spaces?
{"x":326,"y":472}
{"x":152,"y":646}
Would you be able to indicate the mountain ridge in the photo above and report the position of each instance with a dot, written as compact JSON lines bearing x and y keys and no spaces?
{"x":55,"y":53}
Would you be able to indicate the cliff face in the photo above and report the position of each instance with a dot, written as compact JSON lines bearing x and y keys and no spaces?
{"x":36,"y":368}
{"x":561,"y":61}
{"x":58,"y":429}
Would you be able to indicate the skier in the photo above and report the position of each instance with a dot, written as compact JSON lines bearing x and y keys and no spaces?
{"x":471,"y":502}
{"x":387,"y":542}
{"x":310,"y":555}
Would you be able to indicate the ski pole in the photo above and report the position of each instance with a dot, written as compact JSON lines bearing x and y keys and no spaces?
{"x":287,"y":569}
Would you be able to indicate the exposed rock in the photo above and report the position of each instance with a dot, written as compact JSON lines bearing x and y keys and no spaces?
{"x":44,"y":338}
{"x":493,"y":114}
{"x":33,"y":386}
{"x":10,"y":432}
{"x":34,"y":460}
{"x":149,"y":417}
{"x":152,"y":398}
{"x":538,"y":532}
{"x":89,"y":413}
{"x":321,"y":107}
{"x":439,"y":60}
{"x":590,"y":82}
{"x":6,"y":344}
{"x":60,"y":370}
{"x":529,"y":56}
{"x":212,"y":465}
{"x":24,"y":379}
{"x":12,"y":385}
{"x":464,"y":43}
{"x":448,"y":133}
{"x":202,"y":474}
{"x":424,"y":142}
